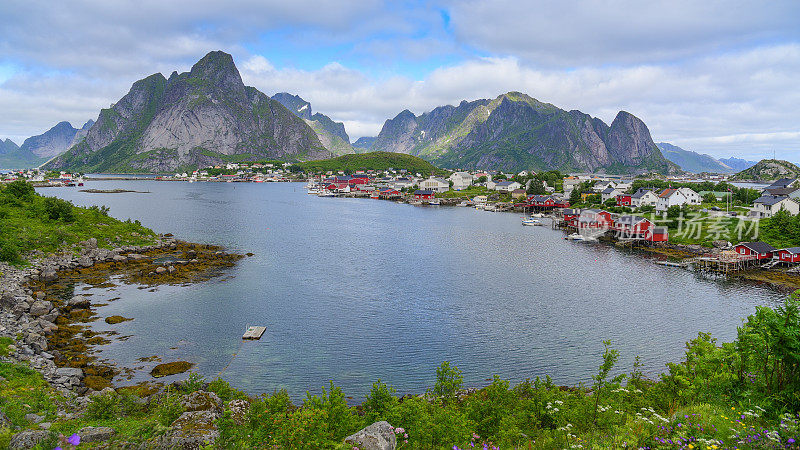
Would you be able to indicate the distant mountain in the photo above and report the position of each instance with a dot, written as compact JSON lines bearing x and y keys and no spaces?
{"x":738,"y":164}
{"x":768,"y":170}
{"x":373,"y":161}
{"x":12,"y":158}
{"x":515,"y":132}
{"x":330,"y":133}
{"x":692,"y":161}
{"x":202,"y":117}
{"x":362,"y":144}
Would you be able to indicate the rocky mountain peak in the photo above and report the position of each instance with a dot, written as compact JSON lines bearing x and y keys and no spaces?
{"x":218,"y":69}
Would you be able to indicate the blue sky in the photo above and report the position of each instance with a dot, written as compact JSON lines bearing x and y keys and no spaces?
{"x":717,"y":77}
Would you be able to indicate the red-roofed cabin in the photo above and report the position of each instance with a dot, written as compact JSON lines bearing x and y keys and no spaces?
{"x":561,"y":204}
{"x":624,"y":200}
{"x":424,"y":195}
{"x":755,"y":250}
{"x":660,"y":234}
{"x":354,"y":181}
{"x":790,"y":255}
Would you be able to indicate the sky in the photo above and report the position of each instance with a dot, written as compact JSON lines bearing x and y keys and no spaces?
{"x":717,"y":77}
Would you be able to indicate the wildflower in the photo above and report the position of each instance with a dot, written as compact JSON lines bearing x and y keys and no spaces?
{"x":74,"y":439}
{"x":791,"y":440}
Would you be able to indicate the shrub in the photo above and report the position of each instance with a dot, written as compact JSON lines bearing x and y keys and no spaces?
{"x":448,"y":380}
{"x":57,"y":209}
{"x":112,"y":406}
{"x":380,"y":400}
{"x":19,"y":189}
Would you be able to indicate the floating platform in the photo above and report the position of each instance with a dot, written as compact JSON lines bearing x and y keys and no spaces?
{"x":254,"y":333}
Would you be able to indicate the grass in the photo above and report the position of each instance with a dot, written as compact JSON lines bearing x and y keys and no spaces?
{"x":32,"y":222}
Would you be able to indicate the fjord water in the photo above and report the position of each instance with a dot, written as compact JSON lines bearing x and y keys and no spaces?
{"x":353,"y":290}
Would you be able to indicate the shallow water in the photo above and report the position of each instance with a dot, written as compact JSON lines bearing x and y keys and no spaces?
{"x":352,"y":290}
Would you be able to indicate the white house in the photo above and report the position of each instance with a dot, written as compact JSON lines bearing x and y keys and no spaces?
{"x":768,"y":205}
{"x":610,"y":192}
{"x":677,"y":197}
{"x":644,"y":197}
{"x":435,"y":185}
{"x":601,"y":186}
{"x":403,"y":182}
{"x":506,"y":186}
{"x":461,"y":180}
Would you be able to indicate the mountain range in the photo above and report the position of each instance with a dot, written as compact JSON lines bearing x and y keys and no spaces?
{"x":38,"y":149}
{"x":516,"y":132}
{"x":202,"y":117}
{"x":692,"y":161}
{"x":768,"y":170}
{"x":738,"y":164}
{"x":331,"y":134}
{"x":208,"y":116}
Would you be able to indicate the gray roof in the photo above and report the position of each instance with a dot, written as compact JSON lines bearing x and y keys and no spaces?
{"x":782,"y":183}
{"x":633,"y":220}
{"x":783,"y":192}
{"x":769,"y":200}
{"x":793,"y":250}
{"x":609,"y":190}
{"x":758,"y":247}
{"x":505,"y":183}
{"x":640,"y":192}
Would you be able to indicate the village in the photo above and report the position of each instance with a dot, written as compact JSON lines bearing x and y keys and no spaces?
{"x":589,"y":207}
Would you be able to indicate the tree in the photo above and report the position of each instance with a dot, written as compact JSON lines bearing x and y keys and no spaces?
{"x":448,"y":381}
{"x":537,"y":188}
{"x":710,"y":198}
{"x":482,"y":179}
{"x":575,"y":196}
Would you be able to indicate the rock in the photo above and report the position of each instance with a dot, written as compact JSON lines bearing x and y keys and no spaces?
{"x":28,"y":439}
{"x":238,"y":409}
{"x":33,"y":418}
{"x":50,"y":317}
{"x":78,"y":301}
{"x":96,"y":434}
{"x":69,"y":372}
{"x":39,"y":295}
{"x":48,"y":275}
{"x":171,"y":269}
{"x":40,"y":308}
{"x":202,"y":401}
{"x":45,"y":425}
{"x":119,"y":258}
{"x":192,"y":430}
{"x":378,"y":436}
{"x":160,"y":270}
{"x":136,"y":256}
{"x":85,"y":261}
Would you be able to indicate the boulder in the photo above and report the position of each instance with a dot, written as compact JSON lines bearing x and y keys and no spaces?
{"x":33,"y":418}
{"x":202,"y":401}
{"x":69,"y":372}
{"x":378,"y":436}
{"x":40,"y":308}
{"x":78,"y":301}
{"x":238,"y":409}
{"x":85,"y":261}
{"x":192,"y":430}
{"x":96,"y":434}
{"x":160,"y":270}
{"x":136,"y":256}
{"x":119,"y":258}
{"x":28,"y":439}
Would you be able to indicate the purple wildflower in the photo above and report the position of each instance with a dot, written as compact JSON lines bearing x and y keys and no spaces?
{"x":74,"y":439}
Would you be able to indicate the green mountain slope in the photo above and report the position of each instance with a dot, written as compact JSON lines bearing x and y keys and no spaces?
{"x":515,"y":131}
{"x":331,"y":134}
{"x":197,"y":118}
{"x":372,"y":161}
{"x":768,"y":170}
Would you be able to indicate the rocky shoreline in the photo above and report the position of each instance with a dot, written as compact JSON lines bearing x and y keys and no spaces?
{"x":28,"y":318}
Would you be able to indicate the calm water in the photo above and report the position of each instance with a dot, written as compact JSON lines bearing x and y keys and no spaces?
{"x":352,"y":290}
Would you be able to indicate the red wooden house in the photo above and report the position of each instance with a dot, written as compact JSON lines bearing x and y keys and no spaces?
{"x":561,"y":203}
{"x":424,"y":195}
{"x":595,"y":218}
{"x":624,"y":200}
{"x":389,"y":194}
{"x":788,"y":255}
{"x":636,"y":227}
{"x":571,"y":217}
{"x":659,"y":234}
{"x":754,"y":250}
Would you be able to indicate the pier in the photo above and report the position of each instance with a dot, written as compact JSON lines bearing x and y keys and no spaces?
{"x":254,"y":333}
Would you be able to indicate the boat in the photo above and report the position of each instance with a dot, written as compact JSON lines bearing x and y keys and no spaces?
{"x":434,"y":202}
{"x":537,"y":215}
{"x":531,"y":223}
{"x":575,"y":237}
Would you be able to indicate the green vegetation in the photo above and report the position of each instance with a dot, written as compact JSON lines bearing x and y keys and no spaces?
{"x":31,"y":222}
{"x":768,"y":170}
{"x":170,"y":368}
{"x":744,"y":394}
{"x":370,"y":161}
{"x":470,"y":192}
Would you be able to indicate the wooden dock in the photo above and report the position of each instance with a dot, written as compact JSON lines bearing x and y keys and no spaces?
{"x":254,"y":333}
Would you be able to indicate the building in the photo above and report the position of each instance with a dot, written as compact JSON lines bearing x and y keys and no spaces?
{"x":435,"y":185}
{"x":677,"y":197}
{"x":792,"y":192}
{"x":624,"y":200}
{"x":518,"y":193}
{"x":633,"y":227}
{"x":610,"y":192}
{"x":506,"y":186}
{"x":788,"y":255}
{"x":754,"y":250}
{"x":595,"y":219}
{"x":461,"y":180}
{"x":784,"y":183}
{"x":768,"y":205}
{"x":424,"y":195}
{"x":644,"y":197}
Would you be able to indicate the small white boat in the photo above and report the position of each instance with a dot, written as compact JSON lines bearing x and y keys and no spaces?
{"x":531,"y":223}
{"x":575,"y":237}
{"x":434,"y":202}
{"x":538,"y":215}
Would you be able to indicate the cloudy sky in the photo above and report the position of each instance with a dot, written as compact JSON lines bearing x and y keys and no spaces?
{"x":719,"y":77}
